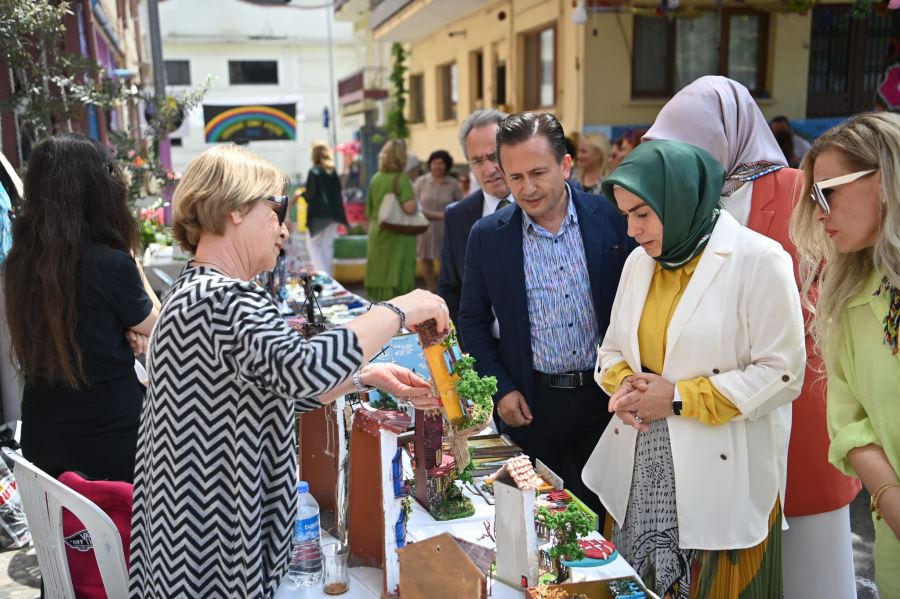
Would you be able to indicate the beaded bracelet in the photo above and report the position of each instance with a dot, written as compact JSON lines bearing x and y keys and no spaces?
{"x":876,"y":497}
{"x":396,"y":311}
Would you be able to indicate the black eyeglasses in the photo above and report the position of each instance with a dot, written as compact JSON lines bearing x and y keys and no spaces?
{"x":282,"y":209}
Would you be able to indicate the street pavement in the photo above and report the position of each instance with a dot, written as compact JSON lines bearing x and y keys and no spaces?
{"x":20,"y":578}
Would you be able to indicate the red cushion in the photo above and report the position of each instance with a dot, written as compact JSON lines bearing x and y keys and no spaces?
{"x":112,"y":497}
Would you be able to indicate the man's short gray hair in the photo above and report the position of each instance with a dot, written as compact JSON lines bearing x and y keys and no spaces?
{"x":479,"y":118}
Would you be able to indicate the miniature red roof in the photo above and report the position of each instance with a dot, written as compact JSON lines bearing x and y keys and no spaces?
{"x":447,"y":466}
{"x":522,"y":472}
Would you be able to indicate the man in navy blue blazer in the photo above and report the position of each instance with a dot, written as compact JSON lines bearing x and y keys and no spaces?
{"x":547,"y":267}
{"x":478,"y":138}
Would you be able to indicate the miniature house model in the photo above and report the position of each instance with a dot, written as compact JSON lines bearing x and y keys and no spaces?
{"x":434,"y":469}
{"x":377,"y":521}
{"x":515,"y":487}
{"x":456,"y":568}
{"x":441,"y":354}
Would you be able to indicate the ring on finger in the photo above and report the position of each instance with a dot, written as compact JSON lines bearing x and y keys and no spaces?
{"x":637,"y":418}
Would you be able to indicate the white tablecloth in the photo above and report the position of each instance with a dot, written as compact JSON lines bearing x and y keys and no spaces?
{"x":367,"y":583}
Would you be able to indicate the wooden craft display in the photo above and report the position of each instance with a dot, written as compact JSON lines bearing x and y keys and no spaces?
{"x":454,"y":567}
{"x":377,"y":518}
{"x":319,"y":433}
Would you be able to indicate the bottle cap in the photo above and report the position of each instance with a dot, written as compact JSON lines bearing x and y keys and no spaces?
{"x":303,"y":487}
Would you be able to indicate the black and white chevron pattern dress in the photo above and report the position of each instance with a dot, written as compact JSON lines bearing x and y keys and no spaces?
{"x":216,"y":471}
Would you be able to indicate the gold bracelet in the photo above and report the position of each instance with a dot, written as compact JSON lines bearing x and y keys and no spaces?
{"x":876,"y":497}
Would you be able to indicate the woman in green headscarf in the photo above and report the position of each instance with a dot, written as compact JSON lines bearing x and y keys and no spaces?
{"x":704,"y":353}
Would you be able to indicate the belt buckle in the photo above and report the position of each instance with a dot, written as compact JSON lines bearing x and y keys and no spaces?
{"x":566,"y":380}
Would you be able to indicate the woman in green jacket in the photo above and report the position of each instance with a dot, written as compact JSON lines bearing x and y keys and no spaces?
{"x":847,"y":231}
{"x":391,"y":258}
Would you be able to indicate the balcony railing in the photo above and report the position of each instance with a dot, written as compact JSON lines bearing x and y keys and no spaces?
{"x":369,"y":83}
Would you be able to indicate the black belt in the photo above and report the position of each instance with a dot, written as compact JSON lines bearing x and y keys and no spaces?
{"x":566,"y":380}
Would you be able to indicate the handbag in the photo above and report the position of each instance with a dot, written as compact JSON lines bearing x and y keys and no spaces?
{"x":391,"y":216}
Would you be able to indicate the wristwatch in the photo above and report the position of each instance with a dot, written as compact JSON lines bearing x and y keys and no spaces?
{"x":676,"y":407}
{"x":357,"y":382}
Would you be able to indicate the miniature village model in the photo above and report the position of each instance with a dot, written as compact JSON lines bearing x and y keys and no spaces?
{"x":467,"y":406}
{"x":530,"y":501}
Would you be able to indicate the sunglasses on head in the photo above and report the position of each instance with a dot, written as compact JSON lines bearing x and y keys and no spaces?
{"x":817,"y":194}
{"x":282,"y":209}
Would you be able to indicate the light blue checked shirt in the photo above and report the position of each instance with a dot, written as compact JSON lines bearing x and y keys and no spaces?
{"x":564,"y":334}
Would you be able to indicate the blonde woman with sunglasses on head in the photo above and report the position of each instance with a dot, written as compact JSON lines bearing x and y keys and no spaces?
{"x":848,"y":237}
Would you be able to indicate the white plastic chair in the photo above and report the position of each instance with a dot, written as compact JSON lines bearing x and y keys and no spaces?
{"x":44,"y":498}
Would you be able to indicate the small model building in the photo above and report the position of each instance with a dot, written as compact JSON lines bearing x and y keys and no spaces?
{"x":377,"y":517}
{"x":515,"y":487}
{"x":441,"y":357}
{"x":436,"y":471}
{"x":456,"y":568}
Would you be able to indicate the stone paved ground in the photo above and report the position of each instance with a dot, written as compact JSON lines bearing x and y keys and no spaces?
{"x":20,"y":579}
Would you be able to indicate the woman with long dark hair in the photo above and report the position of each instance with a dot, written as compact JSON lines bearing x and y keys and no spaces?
{"x":79,"y":308}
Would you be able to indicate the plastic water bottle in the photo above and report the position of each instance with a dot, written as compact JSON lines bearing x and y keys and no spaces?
{"x":306,"y":553}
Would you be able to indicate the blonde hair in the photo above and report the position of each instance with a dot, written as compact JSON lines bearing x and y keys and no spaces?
{"x":218,"y":181}
{"x":828,"y":278}
{"x":321,"y":155}
{"x":392,"y":157}
{"x":601,"y":144}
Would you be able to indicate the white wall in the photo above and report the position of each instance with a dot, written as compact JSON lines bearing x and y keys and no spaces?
{"x":209,"y":33}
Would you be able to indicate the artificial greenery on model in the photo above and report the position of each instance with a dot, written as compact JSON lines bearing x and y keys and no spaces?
{"x":479,"y":390}
{"x":566,"y":528}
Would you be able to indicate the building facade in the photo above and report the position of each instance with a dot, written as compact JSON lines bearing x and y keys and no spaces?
{"x":607,"y":65}
{"x":107,"y":33}
{"x":258,"y":53}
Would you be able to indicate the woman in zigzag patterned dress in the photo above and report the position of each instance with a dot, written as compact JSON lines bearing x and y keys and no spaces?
{"x":216,"y":472}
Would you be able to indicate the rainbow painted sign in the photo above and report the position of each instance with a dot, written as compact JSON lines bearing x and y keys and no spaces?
{"x":260,"y":122}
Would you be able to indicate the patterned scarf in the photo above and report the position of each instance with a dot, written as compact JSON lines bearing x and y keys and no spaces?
{"x":682,"y":184}
{"x":892,"y":318}
{"x":749,"y":171}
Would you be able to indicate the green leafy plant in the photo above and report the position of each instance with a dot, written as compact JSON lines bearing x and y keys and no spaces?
{"x":477,"y":389}
{"x":566,"y":528}
{"x":406,"y":507}
{"x":468,"y":473}
{"x":396,"y":125}
{"x":386,"y":401}
{"x":454,"y":504}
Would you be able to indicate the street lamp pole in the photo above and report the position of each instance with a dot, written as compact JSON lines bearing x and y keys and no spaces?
{"x":159,"y":70}
{"x":331,"y":85}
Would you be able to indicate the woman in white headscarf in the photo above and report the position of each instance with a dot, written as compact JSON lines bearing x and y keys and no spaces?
{"x":720,"y":116}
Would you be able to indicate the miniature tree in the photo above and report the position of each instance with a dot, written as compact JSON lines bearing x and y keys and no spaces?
{"x":479,"y":390}
{"x":566,"y":528}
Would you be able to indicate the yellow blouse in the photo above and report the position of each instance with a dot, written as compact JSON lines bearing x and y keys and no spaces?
{"x":699,"y":397}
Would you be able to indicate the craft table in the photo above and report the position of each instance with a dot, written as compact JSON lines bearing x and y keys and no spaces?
{"x":367,"y":583}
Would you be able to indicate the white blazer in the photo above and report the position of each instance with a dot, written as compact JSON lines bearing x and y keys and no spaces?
{"x":738,"y":323}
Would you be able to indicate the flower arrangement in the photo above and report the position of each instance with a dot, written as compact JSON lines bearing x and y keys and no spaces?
{"x":152,"y":226}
